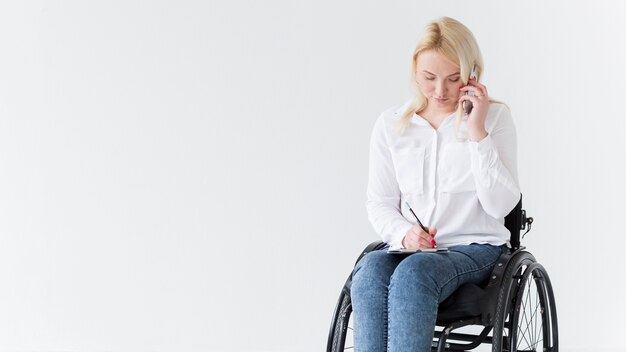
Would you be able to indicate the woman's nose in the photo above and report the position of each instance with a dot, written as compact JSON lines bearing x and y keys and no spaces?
{"x":440,"y":88}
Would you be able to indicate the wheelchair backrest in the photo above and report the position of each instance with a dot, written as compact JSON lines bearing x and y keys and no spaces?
{"x":514,"y":222}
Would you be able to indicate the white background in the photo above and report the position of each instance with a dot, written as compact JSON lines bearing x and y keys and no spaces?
{"x":190,"y":176}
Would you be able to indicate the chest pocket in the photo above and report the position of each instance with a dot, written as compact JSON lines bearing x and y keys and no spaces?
{"x":409,"y":165}
{"x":455,"y":169}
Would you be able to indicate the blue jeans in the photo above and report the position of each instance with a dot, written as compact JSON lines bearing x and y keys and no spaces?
{"x":395,"y":296}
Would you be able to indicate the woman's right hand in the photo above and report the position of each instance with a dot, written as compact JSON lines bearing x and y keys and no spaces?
{"x":416,"y":238}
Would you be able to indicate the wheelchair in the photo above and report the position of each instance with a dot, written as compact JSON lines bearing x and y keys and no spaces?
{"x":514,"y":310}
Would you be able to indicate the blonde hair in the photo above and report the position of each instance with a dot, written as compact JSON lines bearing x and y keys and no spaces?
{"x":454,"y":41}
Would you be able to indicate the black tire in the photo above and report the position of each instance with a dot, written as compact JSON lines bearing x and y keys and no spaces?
{"x":525,"y":317}
{"x":340,"y":337}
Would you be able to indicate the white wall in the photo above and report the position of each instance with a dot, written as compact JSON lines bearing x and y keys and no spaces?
{"x":190,"y":176}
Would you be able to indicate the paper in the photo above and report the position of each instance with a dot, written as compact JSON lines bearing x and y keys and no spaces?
{"x":424,"y":250}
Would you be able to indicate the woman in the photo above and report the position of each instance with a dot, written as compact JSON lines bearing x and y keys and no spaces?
{"x":457,"y":173}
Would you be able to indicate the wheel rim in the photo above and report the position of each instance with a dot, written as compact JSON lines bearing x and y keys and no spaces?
{"x":530,"y":327}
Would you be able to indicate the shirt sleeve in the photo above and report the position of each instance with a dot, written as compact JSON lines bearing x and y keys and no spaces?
{"x":383,"y":192}
{"x":494,"y":164}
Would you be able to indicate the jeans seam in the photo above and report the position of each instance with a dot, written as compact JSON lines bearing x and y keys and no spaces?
{"x":386,"y":321}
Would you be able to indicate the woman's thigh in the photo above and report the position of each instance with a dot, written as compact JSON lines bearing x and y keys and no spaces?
{"x":443,"y":273}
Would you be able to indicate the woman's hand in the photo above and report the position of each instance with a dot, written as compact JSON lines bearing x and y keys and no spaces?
{"x":416,"y":238}
{"x":478,"y":115}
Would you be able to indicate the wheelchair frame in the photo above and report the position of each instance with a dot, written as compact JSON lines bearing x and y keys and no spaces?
{"x":499,"y":306}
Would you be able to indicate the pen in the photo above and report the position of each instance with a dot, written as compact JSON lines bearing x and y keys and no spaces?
{"x":419,"y":222}
{"x":416,"y":218}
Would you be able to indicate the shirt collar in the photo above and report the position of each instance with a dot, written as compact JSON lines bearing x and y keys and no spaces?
{"x":419,"y":120}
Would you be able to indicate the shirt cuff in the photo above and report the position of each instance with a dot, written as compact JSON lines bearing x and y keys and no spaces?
{"x":396,"y":241}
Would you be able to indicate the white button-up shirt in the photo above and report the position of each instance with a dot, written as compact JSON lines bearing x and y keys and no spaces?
{"x":463,"y":188}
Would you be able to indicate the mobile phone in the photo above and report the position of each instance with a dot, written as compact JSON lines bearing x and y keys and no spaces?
{"x":467,"y":105}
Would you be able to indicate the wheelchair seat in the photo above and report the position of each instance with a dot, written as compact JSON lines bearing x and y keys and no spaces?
{"x":515,"y":307}
{"x":467,"y":301}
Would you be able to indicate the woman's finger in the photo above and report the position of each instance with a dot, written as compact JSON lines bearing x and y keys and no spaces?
{"x":475,"y":93}
{"x":426,"y":244}
{"x":421,"y":233}
{"x":481,"y":87}
{"x":474,"y":100}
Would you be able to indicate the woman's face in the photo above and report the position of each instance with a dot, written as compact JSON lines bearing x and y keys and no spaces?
{"x":439,"y":80}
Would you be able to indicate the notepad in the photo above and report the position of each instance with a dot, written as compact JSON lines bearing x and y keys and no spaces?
{"x":424,"y":250}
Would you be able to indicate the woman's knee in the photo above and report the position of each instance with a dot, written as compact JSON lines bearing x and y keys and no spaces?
{"x":422,"y":270}
{"x":374,"y":269}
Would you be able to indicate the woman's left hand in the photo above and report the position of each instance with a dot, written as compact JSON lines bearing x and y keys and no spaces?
{"x":478,"y":115}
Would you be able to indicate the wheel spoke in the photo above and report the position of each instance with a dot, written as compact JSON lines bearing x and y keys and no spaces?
{"x":536,"y":317}
{"x":534,"y":308}
{"x":349,"y":344}
{"x":529,"y":331}
{"x":524,"y":322}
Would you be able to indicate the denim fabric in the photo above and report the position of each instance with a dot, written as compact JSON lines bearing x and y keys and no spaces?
{"x":395,"y":297}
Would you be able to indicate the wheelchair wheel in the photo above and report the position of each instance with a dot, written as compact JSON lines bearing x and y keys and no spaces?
{"x":340,"y":337}
{"x":526,"y":312}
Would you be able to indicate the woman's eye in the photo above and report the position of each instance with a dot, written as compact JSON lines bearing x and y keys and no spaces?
{"x":429,"y":78}
{"x":454,"y":80}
